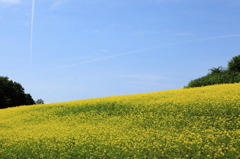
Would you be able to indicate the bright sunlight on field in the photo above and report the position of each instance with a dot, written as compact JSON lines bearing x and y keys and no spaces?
{"x":185,"y":123}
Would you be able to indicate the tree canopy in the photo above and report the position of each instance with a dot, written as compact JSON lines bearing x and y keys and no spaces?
{"x":234,"y":64}
{"x":12,"y":94}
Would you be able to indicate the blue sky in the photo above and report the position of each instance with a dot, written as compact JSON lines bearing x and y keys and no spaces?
{"x":63,"y":50}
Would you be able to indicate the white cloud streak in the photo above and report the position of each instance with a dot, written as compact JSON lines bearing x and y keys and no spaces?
{"x":104,"y":50}
{"x":134,"y":52}
{"x":184,"y":34}
{"x":58,"y":4}
{"x":11,"y":1}
{"x":31,"y":38}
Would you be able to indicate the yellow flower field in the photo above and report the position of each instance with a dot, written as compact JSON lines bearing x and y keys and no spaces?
{"x":184,"y":123}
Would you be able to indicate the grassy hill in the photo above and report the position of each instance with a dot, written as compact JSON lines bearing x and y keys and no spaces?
{"x":201,"y":122}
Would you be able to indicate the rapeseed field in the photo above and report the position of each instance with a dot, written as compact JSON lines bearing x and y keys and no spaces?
{"x":189,"y":123}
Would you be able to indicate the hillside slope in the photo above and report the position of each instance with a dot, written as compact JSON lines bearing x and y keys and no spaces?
{"x":199,"y":122}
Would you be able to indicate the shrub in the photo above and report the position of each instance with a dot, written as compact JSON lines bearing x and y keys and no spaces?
{"x":216,"y":78}
{"x":219,"y":75}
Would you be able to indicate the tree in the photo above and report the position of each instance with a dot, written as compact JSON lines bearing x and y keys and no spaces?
{"x":29,"y":99}
{"x":216,"y":70}
{"x":12,"y":94}
{"x":39,"y":101}
{"x":234,"y":64}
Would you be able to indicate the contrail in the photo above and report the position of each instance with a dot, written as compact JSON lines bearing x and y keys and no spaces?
{"x":31,"y":39}
{"x":137,"y":51}
{"x":216,"y":37}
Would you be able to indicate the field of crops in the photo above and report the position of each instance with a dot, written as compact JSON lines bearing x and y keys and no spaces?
{"x":184,"y":123}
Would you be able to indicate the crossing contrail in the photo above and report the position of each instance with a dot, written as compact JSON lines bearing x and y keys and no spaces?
{"x":137,"y":51}
{"x":31,"y":38}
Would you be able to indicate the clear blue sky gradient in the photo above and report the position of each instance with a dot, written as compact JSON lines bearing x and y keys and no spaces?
{"x":84,"y":49}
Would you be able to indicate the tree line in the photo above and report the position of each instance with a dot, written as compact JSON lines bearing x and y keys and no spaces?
{"x":12,"y":94}
{"x":219,"y":75}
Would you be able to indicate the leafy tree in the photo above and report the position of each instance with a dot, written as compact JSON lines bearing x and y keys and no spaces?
{"x":39,"y":101}
{"x":29,"y":99}
{"x":217,"y":70}
{"x":234,"y":64}
{"x":12,"y":94}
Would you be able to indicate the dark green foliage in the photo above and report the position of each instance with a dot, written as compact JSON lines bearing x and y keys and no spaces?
{"x":216,"y":78}
{"x":234,"y":64}
{"x":220,"y":75}
{"x":29,"y":99}
{"x":12,"y":94}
